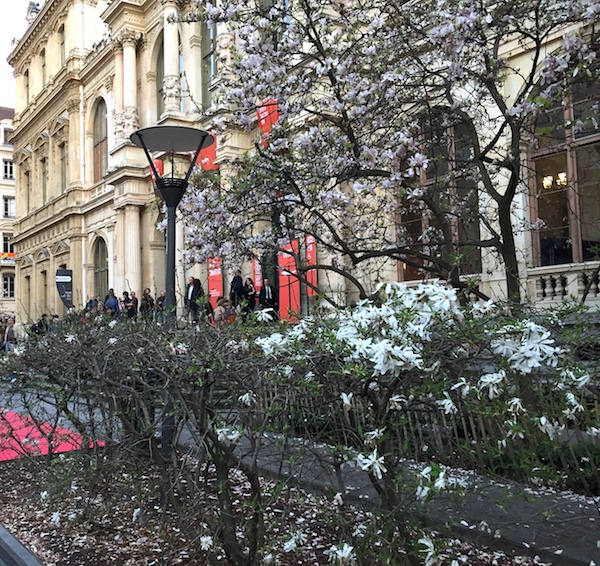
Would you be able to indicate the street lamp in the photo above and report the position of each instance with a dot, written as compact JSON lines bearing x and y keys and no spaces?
{"x":171,"y":140}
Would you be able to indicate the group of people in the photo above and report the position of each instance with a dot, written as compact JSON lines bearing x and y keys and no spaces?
{"x":128,"y":305}
{"x":243,"y":300}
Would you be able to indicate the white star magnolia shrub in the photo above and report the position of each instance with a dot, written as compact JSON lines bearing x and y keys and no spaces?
{"x":363,"y":90}
{"x":418,"y":345}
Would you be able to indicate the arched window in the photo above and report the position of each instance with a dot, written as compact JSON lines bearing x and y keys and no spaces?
{"x":100,"y":142}
{"x":100,"y":268}
{"x":566,"y":161}
{"x":160,"y":79}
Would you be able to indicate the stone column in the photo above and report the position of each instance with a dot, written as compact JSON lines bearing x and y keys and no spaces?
{"x":118,"y":90}
{"x":171,"y":86}
{"x":133,"y":254}
{"x":130,"y":110}
{"x":119,"y":253}
{"x":74,"y":148}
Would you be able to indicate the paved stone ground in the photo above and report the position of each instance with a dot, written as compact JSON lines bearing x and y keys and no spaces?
{"x":559,"y":527}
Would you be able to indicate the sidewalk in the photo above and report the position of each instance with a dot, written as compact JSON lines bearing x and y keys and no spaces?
{"x":558,"y":527}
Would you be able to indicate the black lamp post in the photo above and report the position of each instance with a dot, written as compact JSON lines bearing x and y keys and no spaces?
{"x":171,"y":140}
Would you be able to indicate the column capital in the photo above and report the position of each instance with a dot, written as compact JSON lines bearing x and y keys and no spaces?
{"x":129,"y":37}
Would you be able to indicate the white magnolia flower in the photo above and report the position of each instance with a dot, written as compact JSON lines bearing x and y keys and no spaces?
{"x":112,"y":340}
{"x":228,"y":434}
{"x":422,"y":492}
{"x":338,"y":499}
{"x":463,"y":386}
{"x":374,"y":435}
{"x":296,"y":539}
{"x":71,"y":339}
{"x":248,"y":398}
{"x":44,"y":496}
{"x":515,"y":405}
{"x":492,"y":381}
{"x":343,"y":555}
{"x":428,"y":551}
{"x":112,"y":323}
{"x":265,"y":315}
{"x":448,"y":405}
{"x":206,"y":542}
{"x":55,"y":519}
{"x":346,"y":399}
{"x":372,"y":464}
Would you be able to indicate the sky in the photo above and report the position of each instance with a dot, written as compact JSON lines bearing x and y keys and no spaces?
{"x":12,"y":24}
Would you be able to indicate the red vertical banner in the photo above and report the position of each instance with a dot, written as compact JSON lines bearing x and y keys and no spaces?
{"x":289,"y":285}
{"x":215,"y":280}
{"x":256,"y":274}
{"x":207,"y":158}
{"x":267,"y":113}
{"x":158,"y":165}
{"x":311,"y":259}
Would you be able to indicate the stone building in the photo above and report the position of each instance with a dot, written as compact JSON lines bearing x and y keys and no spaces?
{"x":88,"y":74}
{"x":91,"y":72}
{"x":7,"y":216}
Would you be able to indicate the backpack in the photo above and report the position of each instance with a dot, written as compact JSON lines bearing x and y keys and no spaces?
{"x":230,"y":315}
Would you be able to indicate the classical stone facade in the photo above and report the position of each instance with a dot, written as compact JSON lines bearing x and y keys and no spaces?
{"x":89,"y":73}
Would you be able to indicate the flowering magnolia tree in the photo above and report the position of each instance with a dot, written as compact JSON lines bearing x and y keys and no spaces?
{"x":397,"y":136}
{"x":409,"y":374}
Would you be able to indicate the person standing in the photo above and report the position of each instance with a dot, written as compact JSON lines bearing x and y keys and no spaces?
{"x":146,"y":304}
{"x":267,"y":298}
{"x":111,"y":303}
{"x":132,"y":305}
{"x":236,"y":291}
{"x":193,"y":292}
{"x":160,"y":307}
{"x":249,"y":296}
{"x":11,"y":336}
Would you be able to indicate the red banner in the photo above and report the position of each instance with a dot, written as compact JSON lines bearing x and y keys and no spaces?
{"x":267,"y":113}
{"x":208,"y":156}
{"x":289,"y":285}
{"x":311,"y":259}
{"x":215,"y":280}
{"x":256,"y":274}
{"x":158,"y":165}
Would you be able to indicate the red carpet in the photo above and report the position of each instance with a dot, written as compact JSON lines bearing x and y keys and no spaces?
{"x":22,"y":436}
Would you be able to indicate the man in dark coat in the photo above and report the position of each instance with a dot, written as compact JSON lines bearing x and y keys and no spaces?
{"x":267,"y":298}
{"x":192,"y":293}
{"x":237,"y":289}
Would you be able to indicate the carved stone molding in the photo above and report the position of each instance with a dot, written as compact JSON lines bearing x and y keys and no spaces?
{"x":130,"y":120}
{"x":130,"y":37}
{"x":171,"y":86}
{"x":119,"y":123}
{"x":73,"y":105}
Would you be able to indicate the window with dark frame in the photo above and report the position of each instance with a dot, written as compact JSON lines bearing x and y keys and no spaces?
{"x":100,"y":141}
{"x":566,"y":183}
{"x":8,"y":286}
{"x":209,"y":61}
{"x":7,"y":246}
{"x":8,"y":168}
{"x":9,"y":207}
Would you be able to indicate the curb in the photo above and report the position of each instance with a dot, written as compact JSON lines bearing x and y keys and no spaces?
{"x":13,"y":553}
